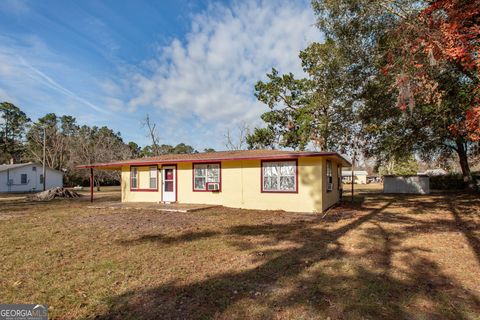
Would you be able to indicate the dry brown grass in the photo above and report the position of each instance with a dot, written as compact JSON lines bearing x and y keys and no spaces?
{"x":384,"y":257}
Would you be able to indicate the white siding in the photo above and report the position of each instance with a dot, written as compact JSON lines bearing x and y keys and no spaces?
{"x":406,"y":184}
{"x":54,"y":178}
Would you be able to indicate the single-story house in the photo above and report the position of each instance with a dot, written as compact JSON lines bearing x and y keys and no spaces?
{"x":28,"y":177}
{"x":250,"y":179}
{"x":360,"y":176}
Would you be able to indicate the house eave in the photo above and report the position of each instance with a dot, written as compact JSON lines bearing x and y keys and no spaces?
{"x":118,"y":165}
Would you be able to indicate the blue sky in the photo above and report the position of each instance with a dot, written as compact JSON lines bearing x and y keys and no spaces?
{"x":190,"y":65}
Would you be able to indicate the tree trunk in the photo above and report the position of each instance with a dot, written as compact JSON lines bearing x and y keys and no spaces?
{"x":97,"y":182}
{"x":463,"y":159}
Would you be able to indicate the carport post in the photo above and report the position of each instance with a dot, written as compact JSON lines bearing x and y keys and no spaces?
{"x":353,"y":171}
{"x":91,"y":184}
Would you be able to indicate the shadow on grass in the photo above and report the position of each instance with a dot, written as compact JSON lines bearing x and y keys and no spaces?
{"x":317,"y":278}
{"x":160,"y":238}
{"x":464,"y":208}
{"x":468,"y":230}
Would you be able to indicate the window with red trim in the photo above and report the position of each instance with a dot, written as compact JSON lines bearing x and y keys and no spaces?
{"x":339,"y":175}
{"x":329,"y":176}
{"x":205,"y":174}
{"x":153,"y":177}
{"x":133,"y":178}
{"x":279,"y":176}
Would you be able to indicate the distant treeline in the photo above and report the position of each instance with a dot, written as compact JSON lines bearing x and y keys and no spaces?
{"x":69,"y":144}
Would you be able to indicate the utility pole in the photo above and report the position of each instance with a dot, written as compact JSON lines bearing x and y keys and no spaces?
{"x":44,"y":152}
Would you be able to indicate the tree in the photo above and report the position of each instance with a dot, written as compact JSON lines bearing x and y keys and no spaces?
{"x":94,"y":145}
{"x":398,"y":115}
{"x":286,"y":97}
{"x":135,"y":150}
{"x":312,"y":111}
{"x":12,"y":131}
{"x":180,"y":148}
{"x":59,"y":134}
{"x":183,"y":148}
{"x":261,"y":138}
{"x":436,"y":62}
{"x":68,"y":145}
{"x":166,"y":149}
{"x":209,"y":150}
{"x":402,"y":166}
{"x":426,"y":129}
{"x":154,"y":149}
{"x":237,"y":140}
{"x":147,"y":151}
{"x":444,"y":33}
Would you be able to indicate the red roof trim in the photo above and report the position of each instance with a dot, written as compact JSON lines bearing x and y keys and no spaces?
{"x":259,"y":157}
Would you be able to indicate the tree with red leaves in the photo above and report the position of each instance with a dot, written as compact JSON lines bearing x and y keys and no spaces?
{"x":413,"y":74}
{"x":447,"y":31}
{"x":443,"y":37}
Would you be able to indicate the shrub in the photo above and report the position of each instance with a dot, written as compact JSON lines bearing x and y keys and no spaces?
{"x":447,"y":182}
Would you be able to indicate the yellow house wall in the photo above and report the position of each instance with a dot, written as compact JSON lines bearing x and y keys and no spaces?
{"x":143,"y":183}
{"x":241,"y":187}
{"x":330,"y":197}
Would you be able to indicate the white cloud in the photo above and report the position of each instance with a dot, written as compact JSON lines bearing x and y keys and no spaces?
{"x":211,"y":75}
{"x":199,"y":84}
{"x":31,"y":72}
{"x":48,"y":81}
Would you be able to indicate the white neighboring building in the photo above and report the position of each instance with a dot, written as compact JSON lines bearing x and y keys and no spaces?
{"x":360,"y":176}
{"x":28,"y":177}
{"x":433,"y":172}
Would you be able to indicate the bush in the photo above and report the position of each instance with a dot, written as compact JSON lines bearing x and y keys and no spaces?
{"x":447,"y":182}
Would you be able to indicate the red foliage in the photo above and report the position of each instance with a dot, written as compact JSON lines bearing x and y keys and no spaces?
{"x":455,"y":36}
{"x":453,"y":31}
{"x":447,"y":30}
{"x":472,"y":123}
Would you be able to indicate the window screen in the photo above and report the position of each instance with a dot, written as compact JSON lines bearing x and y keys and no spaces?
{"x":153,"y":177}
{"x":133,"y":178}
{"x":329,"y":176}
{"x":204,"y":174}
{"x":279,"y":176}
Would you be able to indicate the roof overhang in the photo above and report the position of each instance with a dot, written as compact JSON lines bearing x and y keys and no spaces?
{"x":138,"y":162}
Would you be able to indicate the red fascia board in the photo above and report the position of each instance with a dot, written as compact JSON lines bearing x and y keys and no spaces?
{"x":117,"y":165}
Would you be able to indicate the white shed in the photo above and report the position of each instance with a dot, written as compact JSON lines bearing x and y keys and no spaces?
{"x":28,"y":177}
{"x":417,"y":184}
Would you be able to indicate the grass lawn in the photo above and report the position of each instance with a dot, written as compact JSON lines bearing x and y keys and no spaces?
{"x":415,"y":257}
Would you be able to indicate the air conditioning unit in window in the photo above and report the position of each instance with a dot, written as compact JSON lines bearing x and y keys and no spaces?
{"x":213,"y":186}
{"x":330,"y":186}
